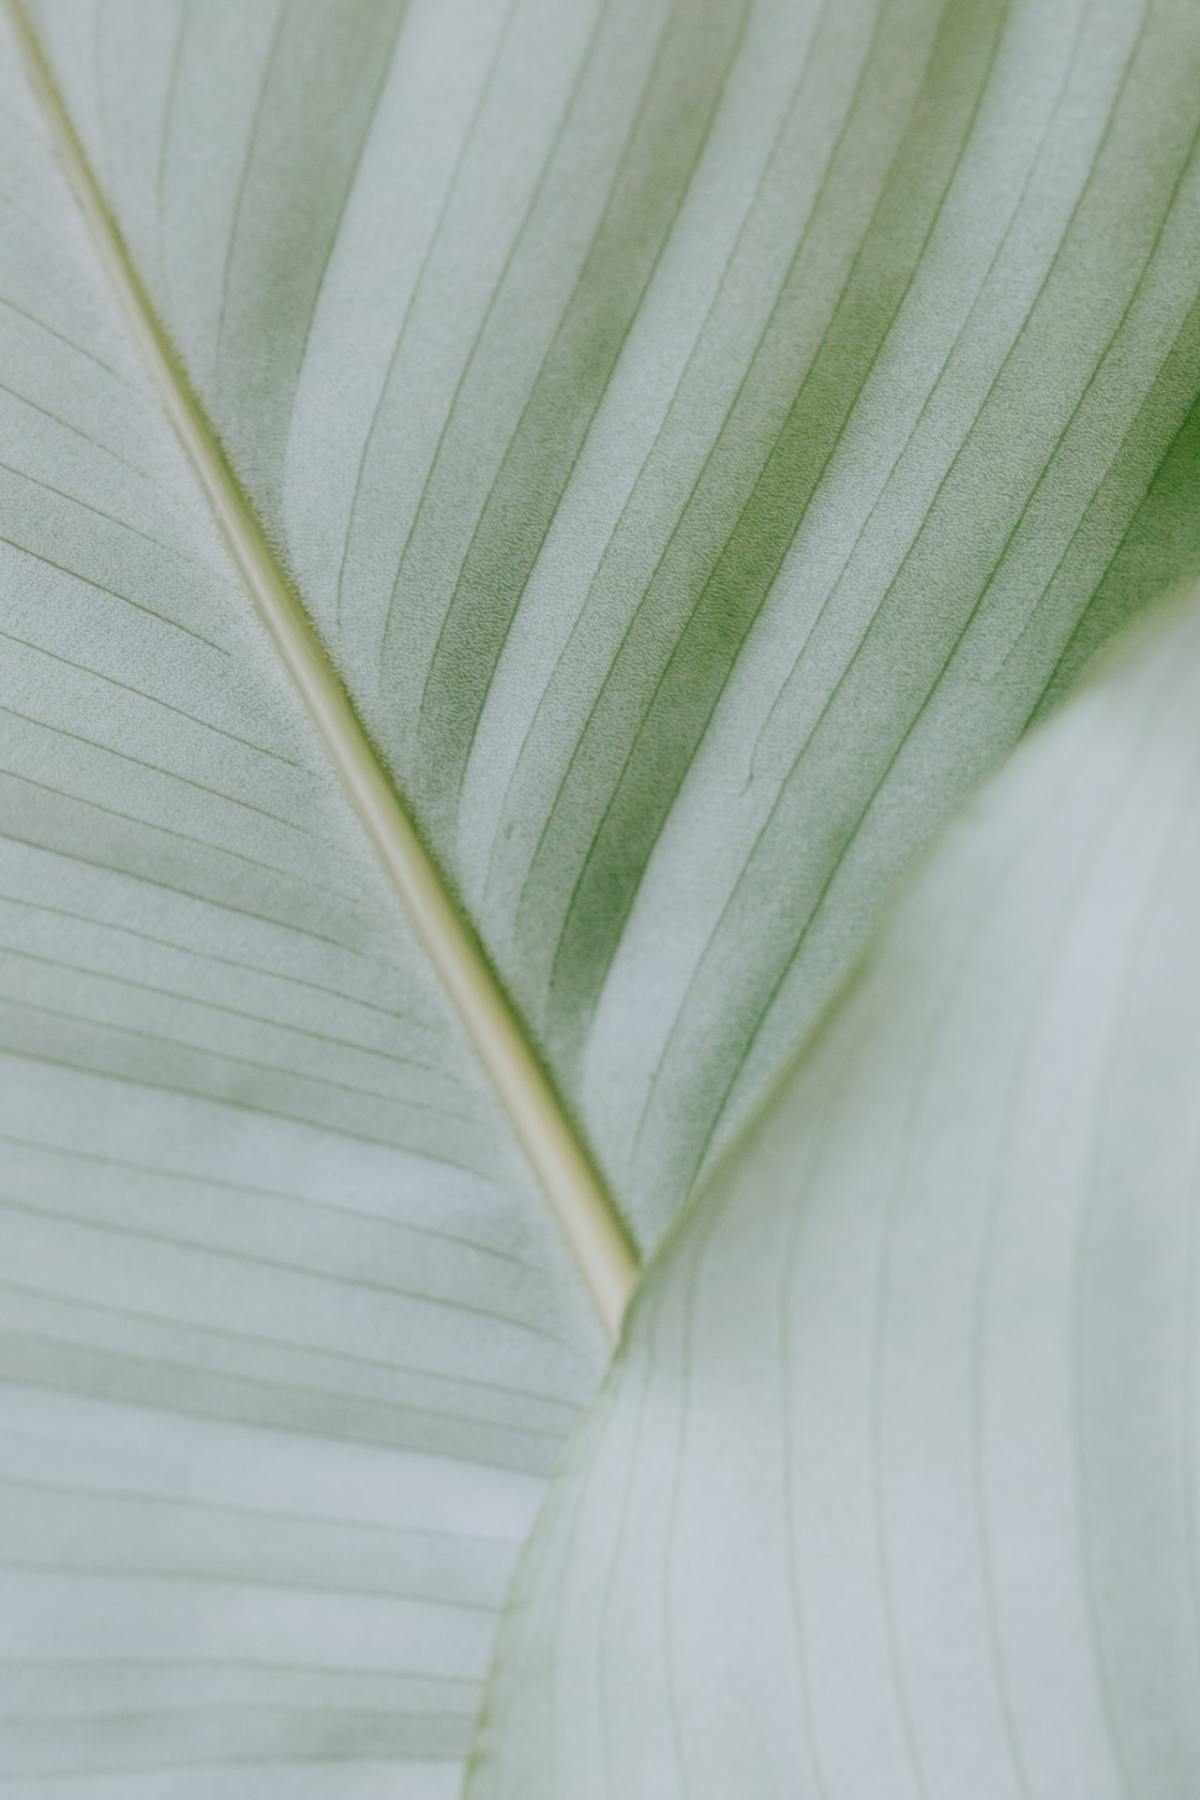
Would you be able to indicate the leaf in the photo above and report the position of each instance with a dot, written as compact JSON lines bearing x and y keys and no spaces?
{"x":288,"y":1349}
{"x":702,"y":437}
{"x":892,"y":1490}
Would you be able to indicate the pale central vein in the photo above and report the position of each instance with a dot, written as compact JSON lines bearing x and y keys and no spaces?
{"x":583,"y":1207}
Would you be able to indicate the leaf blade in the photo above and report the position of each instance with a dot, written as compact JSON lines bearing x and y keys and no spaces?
{"x":585,"y":1211}
{"x":902,"y":221}
{"x":904,"y":1422}
{"x":285,"y":1348}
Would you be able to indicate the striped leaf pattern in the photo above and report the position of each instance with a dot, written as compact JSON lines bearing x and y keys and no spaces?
{"x":287,"y":1347}
{"x":893,"y":1489}
{"x":704,"y":434}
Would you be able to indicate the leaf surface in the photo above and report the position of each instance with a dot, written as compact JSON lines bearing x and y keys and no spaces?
{"x":288,"y":1345}
{"x":703,"y":435}
{"x":892,"y":1489}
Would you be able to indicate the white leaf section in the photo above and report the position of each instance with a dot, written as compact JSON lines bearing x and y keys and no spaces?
{"x":892,"y":1493}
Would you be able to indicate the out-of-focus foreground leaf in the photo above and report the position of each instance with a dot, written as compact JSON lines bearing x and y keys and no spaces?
{"x":892,"y":1491}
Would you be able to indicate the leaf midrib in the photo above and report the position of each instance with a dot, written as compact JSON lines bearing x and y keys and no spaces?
{"x":586,"y":1213}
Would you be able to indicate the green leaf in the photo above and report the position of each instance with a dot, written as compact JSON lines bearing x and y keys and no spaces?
{"x":702,"y":437}
{"x":700,"y":433}
{"x":288,"y":1348}
{"x":893,"y":1488}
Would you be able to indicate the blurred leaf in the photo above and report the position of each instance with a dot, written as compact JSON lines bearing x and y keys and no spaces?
{"x":892,"y":1489}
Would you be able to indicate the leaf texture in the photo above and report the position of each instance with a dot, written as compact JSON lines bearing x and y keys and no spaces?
{"x":287,"y":1347}
{"x":704,"y":435}
{"x":893,"y":1489}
